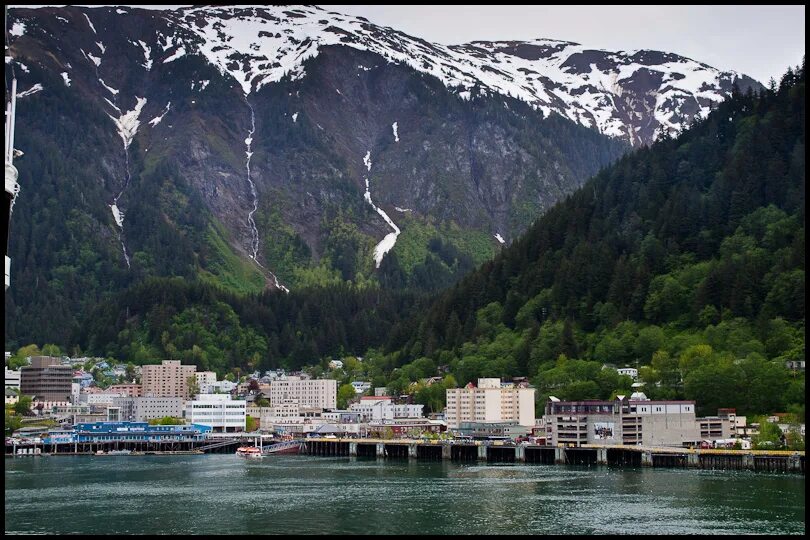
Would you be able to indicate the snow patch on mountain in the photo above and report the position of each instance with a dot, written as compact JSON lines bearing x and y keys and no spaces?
{"x":101,"y":47}
{"x":112,"y":90}
{"x":147,"y":55}
{"x":95,"y":59}
{"x":33,"y":90}
{"x":118,"y":215}
{"x":66,"y":78}
{"x":156,"y":120}
{"x":396,"y":135}
{"x":181,"y":51}
{"x":89,"y":22}
{"x":499,"y":238}
{"x":295,"y":117}
{"x":17,"y":29}
{"x":127,"y":124}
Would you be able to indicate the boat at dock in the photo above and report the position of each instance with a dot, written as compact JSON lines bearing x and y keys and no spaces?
{"x":249,"y":452}
{"x":280,"y":448}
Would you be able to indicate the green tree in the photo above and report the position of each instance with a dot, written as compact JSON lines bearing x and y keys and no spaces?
{"x":49,"y":349}
{"x":23,"y":405}
{"x":345,"y":394}
{"x":769,"y":437}
{"x":193,"y":385}
{"x":13,"y":423}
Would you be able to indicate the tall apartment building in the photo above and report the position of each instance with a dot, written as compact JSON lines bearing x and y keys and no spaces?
{"x":321,"y":393}
{"x":490,"y":402}
{"x":46,"y":379}
{"x":206,"y":380}
{"x":169,"y":379}
{"x":635,"y":420}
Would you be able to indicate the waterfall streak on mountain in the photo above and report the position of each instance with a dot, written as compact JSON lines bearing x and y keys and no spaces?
{"x":387,"y":243}
{"x":254,"y":243}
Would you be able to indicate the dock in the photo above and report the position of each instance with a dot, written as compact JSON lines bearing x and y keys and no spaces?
{"x":438,"y":450}
{"x":588,"y":455}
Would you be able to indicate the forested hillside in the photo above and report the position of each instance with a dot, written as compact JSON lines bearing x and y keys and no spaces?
{"x":685,"y":259}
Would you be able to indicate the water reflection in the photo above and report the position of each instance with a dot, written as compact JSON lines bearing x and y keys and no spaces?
{"x":298,"y":494}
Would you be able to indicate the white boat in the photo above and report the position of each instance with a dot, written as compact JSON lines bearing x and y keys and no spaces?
{"x":249,"y":452}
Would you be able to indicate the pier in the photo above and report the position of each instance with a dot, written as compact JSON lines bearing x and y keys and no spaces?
{"x":587,"y":455}
{"x":462,"y":452}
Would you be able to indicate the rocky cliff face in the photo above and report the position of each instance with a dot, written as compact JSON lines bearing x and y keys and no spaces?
{"x":288,"y":146}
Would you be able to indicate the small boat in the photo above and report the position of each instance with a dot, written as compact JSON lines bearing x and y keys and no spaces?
{"x":249,"y":452}
{"x":119,"y":452}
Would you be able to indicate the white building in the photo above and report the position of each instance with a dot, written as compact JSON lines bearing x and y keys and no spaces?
{"x":490,"y":402}
{"x":360,"y":387}
{"x":336,"y":364}
{"x":219,"y":411}
{"x":307,"y":392}
{"x":206,"y":381}
{"x":99,"y":398}
{"x":630,"y":372}
{"x":376,"y":409}
{"x":143,"y":409}
{"x":12,"y":378}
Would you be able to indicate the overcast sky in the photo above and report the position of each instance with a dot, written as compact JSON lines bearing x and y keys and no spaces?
{"x":760,"y":41}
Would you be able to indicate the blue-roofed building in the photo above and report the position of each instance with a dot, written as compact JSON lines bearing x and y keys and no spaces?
{"x":129,"y":432}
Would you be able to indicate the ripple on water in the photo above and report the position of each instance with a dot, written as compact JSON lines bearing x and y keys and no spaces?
{"x":300,"y":494}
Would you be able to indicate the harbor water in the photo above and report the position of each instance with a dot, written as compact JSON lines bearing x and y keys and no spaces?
{"x":225,"y":494}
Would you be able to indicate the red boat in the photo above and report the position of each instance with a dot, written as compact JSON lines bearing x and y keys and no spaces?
{"x":287,"y":447}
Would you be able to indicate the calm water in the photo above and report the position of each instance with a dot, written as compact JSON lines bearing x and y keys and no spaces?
{"x":212,"y":494}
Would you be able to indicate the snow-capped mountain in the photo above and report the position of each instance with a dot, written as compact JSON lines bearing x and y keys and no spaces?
{"x":625,"y":94}
{"x":289,"y":146}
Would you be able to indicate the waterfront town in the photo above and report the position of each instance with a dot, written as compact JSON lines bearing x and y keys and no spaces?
{"x":56,"y":402}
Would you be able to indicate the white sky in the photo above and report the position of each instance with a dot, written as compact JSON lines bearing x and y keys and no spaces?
{"x":760,"y":41}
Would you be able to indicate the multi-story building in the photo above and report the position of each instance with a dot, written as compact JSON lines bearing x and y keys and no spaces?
{"x":206,"y":381}
{"x":12,"y":378}
{"x":142,"y":409}
{"x":46,"y":379}
{"x":490,"y":402}
{"x":99,"y":398}
{"x":307,"y":392}
{"x":169,"y":379}
{"x":129,"y":390}
{"x":635,"y":420}
{"x":376,"y":409}
{"x":219,"y":411}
